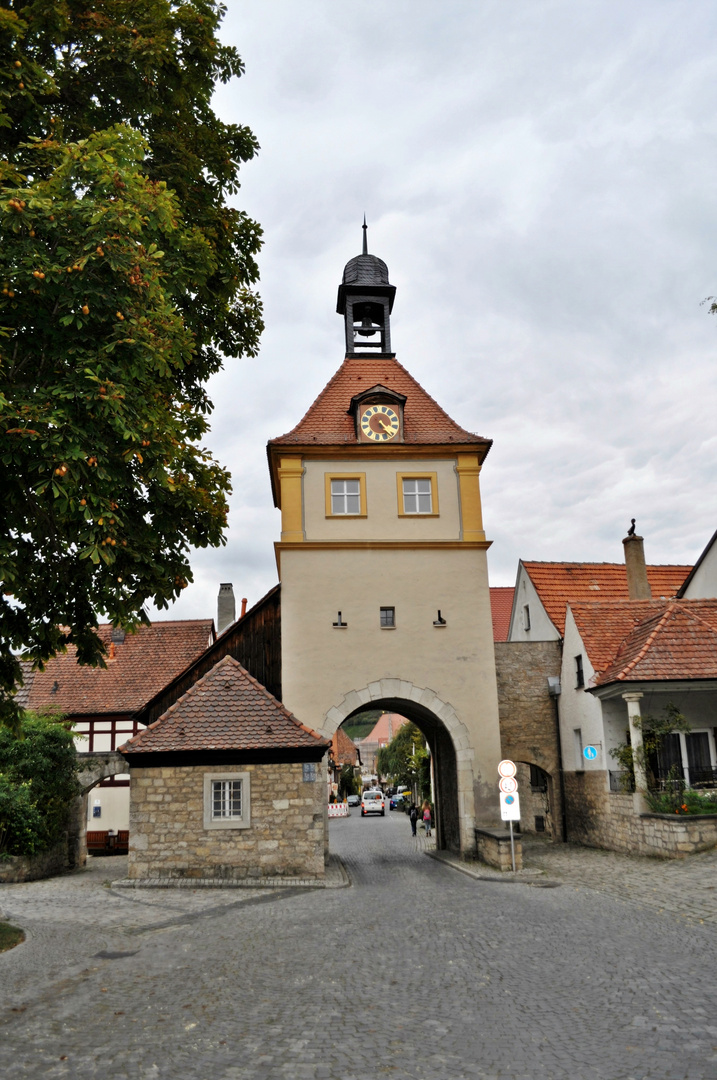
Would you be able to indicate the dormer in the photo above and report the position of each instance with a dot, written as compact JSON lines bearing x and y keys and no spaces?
{"x":378,"y":415}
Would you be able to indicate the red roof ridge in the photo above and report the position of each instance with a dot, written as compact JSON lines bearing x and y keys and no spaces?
{"x":661,"y":618}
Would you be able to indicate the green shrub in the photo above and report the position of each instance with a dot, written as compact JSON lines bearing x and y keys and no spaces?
{"x":682,"y":800}
{"x":38,"y":781}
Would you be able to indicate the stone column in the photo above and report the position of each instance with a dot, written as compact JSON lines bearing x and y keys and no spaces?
{"x":632,"y":700}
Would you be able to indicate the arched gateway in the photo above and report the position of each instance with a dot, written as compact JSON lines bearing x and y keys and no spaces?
{"x":382,"y":561}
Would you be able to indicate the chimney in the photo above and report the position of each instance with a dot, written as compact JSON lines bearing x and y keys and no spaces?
{"x":638,"y":587}
{"x":226,"y":607}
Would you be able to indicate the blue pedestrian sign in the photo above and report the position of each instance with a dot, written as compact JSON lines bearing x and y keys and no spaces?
{"x":589,"y":753}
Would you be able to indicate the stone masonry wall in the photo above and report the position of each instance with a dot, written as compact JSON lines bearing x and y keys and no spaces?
{"x":527,"y":723}
{"x":168,"y":838}
{"x":600,"y":818}
{"x":34,"y":867}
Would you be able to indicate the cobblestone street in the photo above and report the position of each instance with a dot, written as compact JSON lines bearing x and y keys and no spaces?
{"x":416,"y":972}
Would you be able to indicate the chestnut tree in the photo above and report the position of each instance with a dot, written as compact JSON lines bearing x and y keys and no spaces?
{"x":125,"y":278}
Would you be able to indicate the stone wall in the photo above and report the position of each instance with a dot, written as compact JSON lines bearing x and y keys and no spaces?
{"x":168,"y":838}
{"x":528,"y":728}
{"x":601,"y":818}
{"x":34,"y":867}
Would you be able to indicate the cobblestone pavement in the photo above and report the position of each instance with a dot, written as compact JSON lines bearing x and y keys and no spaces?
{"x":416,"y":972}
{"x":686,"y":888}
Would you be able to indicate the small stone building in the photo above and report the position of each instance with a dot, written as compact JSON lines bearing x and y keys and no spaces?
{"x":227,"y":784}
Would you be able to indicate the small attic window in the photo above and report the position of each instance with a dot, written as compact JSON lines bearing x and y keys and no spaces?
{"x":526,"y":616}
{"x":579,"y":673}
{"x":117,"y":635}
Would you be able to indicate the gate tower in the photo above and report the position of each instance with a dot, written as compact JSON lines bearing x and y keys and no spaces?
{"x":382,"y":561}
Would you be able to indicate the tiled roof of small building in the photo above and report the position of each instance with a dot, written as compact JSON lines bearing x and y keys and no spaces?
{"x":560,"y":583}
{"x":501,"y":606}
{"x":137,"y":668}
{"x":649,"y":640}
{"x":227,"y":709}
{"x":328,"y":422}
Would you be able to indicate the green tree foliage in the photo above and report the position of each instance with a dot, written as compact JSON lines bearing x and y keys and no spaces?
{"x":348,"y":784}
{"x":124,"y":279}
{"x":37,"y":784}
{"x":405,"y":759}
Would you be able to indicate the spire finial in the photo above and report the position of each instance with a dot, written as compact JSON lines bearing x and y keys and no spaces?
{"x":365,"y":231}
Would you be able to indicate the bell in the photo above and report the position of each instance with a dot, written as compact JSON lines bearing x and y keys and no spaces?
{"x":367,"y":327}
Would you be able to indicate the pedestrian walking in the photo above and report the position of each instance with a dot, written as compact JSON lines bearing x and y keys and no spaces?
{"x":413,"y":818}
{"x":427,"y":818}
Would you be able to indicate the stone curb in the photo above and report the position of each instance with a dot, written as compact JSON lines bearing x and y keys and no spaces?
{"x":501,"y":877}
{"x":336,"y":878}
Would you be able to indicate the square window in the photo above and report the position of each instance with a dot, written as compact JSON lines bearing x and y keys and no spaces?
{"x":226,"y":801}
{"x":308,"y":772}
{"x":345,"y":495}
{"x":387,"y":617}
{"x":417,"y":494}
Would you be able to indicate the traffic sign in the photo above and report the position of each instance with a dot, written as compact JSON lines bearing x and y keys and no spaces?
{"x":508,"y":784}
{"x":589,"y":753}
{"x":509,"y":807}
{"x":507,"y":767}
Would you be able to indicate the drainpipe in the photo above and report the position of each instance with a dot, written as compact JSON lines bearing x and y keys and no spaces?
{"x":554,"y":691}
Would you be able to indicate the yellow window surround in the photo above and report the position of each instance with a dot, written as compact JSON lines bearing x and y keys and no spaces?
{"x":361,"y":477}
{"x":433,"y":477}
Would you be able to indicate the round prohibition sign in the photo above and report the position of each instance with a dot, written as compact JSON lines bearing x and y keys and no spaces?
{"x":508,"y":784}
{"x":507,"y":767}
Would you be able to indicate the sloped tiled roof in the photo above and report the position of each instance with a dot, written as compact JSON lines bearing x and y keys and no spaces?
{"x":501,"y":606}
{"x":227,"y":709}
{"x":343,"y":749}
{"x":560,"y":583}
{"x":649,"y":640}
{"x":386,"y":728}
{"x":677,"y":642}
{"x":142,"y":664}
{"x":328,"y":422}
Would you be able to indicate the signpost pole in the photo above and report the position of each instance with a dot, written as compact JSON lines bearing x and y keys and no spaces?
{"x":512,"y":846}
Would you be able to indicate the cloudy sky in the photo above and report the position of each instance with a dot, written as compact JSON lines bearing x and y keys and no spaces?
{"x":541,"y":178}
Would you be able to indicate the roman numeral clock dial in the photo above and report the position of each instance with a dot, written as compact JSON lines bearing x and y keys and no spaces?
{"x":379,"y":423}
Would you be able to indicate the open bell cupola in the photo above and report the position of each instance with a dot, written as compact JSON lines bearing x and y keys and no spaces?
{"x":365,"y":300}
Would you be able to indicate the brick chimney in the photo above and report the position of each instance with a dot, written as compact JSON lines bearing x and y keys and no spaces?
{"x":226,"y":607}
{"x":638,"y":587}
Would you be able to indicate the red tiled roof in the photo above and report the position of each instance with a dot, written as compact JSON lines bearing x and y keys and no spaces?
{"x":604,"y":625}
{"x":343,"y":749}
{"x":142,"y":664}
{"x":558,"y":584}
{"x":678,"y":641}
{"x":327,"y":422}
{"x":227,"y":709}
{"x":501,"y":606}
{"x":386,"y":728}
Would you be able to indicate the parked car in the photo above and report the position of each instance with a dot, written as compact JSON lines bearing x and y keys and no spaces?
{"x":372,"y":802}
{"x":353,"y":800}
{"x":396,"y":801}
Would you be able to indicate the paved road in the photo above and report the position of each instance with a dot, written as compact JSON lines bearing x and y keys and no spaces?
{"x":475,"y":980}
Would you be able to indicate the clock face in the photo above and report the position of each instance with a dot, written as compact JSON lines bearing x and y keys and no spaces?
{"x":379,"y":423}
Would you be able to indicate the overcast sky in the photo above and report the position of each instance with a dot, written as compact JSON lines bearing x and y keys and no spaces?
{"x":541,"y":178}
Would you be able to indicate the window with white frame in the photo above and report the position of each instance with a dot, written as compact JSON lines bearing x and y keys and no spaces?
{"x":417,"y":495}
{"x":226,"y":801}
{"x":345,"y":497}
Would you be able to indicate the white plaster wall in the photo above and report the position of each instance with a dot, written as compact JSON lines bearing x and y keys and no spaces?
{"x":321,"y":665}
{"x":541,"y":627}
{"x":704,"y":584}
{"x":382,"y":521}
{"x":579,"y":709}
{"x":114,"y":802}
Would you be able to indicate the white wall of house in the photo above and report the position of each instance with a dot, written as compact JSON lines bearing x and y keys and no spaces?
{"x":113,"y":803}
{"x":704,"y":583}
{"x":580,"y":712}
{"x":535,"y":624}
